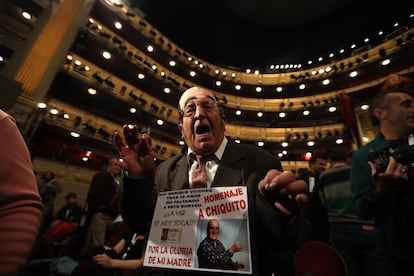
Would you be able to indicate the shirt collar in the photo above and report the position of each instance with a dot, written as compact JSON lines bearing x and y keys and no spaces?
{"x":219,"y":153}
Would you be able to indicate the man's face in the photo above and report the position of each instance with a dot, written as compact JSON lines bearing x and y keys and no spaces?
{"x":401,"y":113}
{"x":213,"y":230}
{"x":72,"y":201}
{"x":114,"y":167}
{"x":202,"y":126}
{"x":319,"y":166}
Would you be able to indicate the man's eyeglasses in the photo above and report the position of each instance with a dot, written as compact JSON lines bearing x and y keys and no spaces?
{"x":190,"y":108}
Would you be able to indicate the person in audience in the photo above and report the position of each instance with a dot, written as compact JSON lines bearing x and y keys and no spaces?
{"x":49,"y":188}
{"x":211,"y":252}
{"x":20,"y":202}
{"x":314,"y":209}
{"x":102,"y":204}
{"x":276,"y":195}
{"x":125,"y":258}
{"x":354,"y":237}
{"x":66,"y":223}
{"x":385,"y":192}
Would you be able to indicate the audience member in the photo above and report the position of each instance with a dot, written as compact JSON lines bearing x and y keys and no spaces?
{"x":385,"y":195}
{"x":202,"y":124}
{"x":353,"y":237}
{"x":211,"y":252}
{"x":49,"y":188}
{"x":102,"y":204}
{"x":125,"y":257}
{"x":314,"y":209}
{"x":20,"y":202}
{"x":66,"y":223}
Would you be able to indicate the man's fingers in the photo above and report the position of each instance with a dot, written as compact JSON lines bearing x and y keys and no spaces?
{"x":131,"y":135}
{"x":118,"y":141}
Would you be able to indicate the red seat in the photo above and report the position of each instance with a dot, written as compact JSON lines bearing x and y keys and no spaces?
{"x":317,"y":258}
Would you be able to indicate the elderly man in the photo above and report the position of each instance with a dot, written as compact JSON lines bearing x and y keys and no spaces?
{"x":211,"y":252}
{"x":276,"y":195}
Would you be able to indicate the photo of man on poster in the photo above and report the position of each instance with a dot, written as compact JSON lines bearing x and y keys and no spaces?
{"x":212,"y":253}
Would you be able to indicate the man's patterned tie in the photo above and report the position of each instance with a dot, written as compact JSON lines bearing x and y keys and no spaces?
{"x":199,"y":176}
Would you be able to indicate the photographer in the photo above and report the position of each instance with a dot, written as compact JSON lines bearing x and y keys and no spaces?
{"x":382,"y":190}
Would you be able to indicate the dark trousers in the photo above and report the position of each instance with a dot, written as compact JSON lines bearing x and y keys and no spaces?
{"x":358,"y":245}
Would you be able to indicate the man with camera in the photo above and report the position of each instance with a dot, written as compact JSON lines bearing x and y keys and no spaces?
{"x":380,"y":177}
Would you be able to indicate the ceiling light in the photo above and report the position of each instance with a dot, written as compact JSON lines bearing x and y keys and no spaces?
{"x":132,"y":110}
{"x":141,"y":76}
{"x":218,"y":83}
{"x":237,"y":141}
{"x":238,"y":112}
{"x":233,"y":75}
{"x":285,"y":144}
{"x":192,"y":73}
{"x":364,"y":107}
{"x":91,"y":91}
{"x":54,"y":111}
{"x":118,"y":25}
{"x":353,"y":74}
{"x":260,"y":144}
{"x":302,"y":86}
{"x":167,"y":90}
{"x":326,"y":82}
{"x":150,"y":48}
{"x":279,"y":89}
{"x":339,"y":141}
{"x":311,"y":143}
{"x":332,"y":109}
{"x":106,"y":55}
{"x":172,"y":63}
{"x":282,"y":114}
{"x":41,"y":105}
{"x":306,"y":112}
{"x":386,"y":62}
{"x":26,"y":15}
{"x":160,"y":122}
{"x":258,"y":89}
{"x":74,"y":134}
{"x":237,"y":86}
{"x":259,"y":114}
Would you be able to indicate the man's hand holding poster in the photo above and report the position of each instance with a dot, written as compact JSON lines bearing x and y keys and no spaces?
{"x":201,"y":229}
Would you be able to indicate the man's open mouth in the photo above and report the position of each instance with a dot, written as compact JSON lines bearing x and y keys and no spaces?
{"x":202,"y":129}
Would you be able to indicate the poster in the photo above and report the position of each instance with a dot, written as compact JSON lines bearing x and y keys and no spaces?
{"x":203,"y":229}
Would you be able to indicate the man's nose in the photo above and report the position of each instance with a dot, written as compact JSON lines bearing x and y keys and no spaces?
{"x":199,"y":111}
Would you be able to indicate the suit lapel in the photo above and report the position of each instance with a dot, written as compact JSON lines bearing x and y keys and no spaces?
{"x":179,"y":175}
{"x":230,"y":170}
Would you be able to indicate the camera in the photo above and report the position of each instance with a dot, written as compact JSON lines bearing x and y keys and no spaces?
{"x":402,"y":150}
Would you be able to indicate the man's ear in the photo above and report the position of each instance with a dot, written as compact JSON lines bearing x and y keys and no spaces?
{"x":180,"y":127}
{"x":379,"y":113}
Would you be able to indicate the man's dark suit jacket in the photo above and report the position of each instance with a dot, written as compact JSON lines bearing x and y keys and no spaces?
{"x":274,"y":237}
